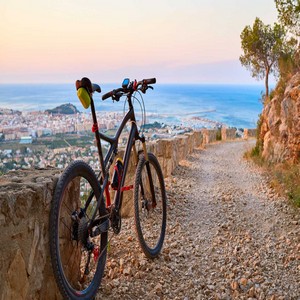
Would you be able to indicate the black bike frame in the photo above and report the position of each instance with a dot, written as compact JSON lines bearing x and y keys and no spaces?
{"x":112,"y":152}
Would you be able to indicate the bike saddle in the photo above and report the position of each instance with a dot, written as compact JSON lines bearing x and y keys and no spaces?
{"x":85,"y":89}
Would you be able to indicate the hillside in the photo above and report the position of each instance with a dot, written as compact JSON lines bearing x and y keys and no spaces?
{"x":66,"y":109}
{"x":280,"y":124}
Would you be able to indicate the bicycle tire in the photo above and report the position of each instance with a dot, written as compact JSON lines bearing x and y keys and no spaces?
{"x":66,"y":240}
{"x":150,"y":222}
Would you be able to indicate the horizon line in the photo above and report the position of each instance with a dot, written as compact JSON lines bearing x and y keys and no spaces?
{"x":163,"y":82}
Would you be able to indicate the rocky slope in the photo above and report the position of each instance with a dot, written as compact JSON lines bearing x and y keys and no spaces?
{"x":280,"y":130}
{"x":228,"y":237}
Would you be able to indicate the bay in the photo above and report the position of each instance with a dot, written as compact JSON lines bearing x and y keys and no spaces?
{"x":233,"y":105}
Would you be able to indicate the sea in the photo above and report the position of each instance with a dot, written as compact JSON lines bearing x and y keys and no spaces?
{"x":231,"y":105}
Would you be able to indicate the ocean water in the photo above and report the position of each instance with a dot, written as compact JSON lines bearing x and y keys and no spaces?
{"x":233,"y":105}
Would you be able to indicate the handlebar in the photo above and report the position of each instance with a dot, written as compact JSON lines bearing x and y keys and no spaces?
{"x":112,"y":93}
{"x":148,"y":81}
{"x":133,"y":86}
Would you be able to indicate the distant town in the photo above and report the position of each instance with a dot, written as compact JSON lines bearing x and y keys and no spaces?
{"x":56,"y":137}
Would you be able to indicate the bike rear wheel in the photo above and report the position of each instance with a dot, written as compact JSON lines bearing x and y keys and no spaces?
{"x":78,"y":258}
{"x":150,"y":205}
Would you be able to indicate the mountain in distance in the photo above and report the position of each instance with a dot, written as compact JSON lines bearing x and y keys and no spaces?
{"x":65,"y":109}
{"x":7,"y":111}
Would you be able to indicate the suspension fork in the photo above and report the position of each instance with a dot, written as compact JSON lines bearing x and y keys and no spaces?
{"x":149,"y":174}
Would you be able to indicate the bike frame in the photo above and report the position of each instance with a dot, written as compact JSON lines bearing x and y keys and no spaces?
{"x":106,"y":162}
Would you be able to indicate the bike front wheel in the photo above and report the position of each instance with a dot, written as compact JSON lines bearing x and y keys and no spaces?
{"x":78,"y":250}
{"x":150,"y":205}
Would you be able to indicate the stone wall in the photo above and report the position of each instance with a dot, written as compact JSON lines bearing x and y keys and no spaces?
{"x":25,"y":198}
{"x":280,"y":124}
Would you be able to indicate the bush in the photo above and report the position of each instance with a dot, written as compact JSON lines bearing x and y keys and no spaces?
{"x":286,"y":181}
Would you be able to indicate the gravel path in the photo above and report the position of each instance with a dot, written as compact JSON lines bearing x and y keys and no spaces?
{"x":228,"y":237}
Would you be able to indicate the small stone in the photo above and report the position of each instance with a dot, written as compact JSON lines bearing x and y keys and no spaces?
{"x":127,"y":271}
{"x":158,"y":288}
{"x":234,"y":285}
{"x":121,"y":262}
{"x":251,"y":292}
{"x":243,"y":281}
{"x":111,"y":274}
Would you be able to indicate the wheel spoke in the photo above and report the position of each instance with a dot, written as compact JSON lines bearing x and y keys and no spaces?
{"x":72,"y":257}
{"x":66,"y":226}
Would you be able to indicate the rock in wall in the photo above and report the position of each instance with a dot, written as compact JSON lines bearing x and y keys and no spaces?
{"x":280,"y":128}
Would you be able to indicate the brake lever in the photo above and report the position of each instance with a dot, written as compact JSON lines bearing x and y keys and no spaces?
{"x":116,"y":97}
{"x":144,"y":88}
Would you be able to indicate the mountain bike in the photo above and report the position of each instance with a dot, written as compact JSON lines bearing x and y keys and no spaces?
{"x":83,"y":215}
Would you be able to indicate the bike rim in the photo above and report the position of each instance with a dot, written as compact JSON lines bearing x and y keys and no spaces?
{"x":74,"y":256}
{"x":150,"y":215}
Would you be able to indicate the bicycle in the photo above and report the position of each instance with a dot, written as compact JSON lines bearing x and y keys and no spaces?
{"x":83,"y":214}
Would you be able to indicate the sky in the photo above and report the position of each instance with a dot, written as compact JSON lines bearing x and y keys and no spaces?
{"x":176,"y":41}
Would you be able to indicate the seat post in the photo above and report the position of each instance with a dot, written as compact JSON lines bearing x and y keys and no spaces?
{"x":95,"y":129}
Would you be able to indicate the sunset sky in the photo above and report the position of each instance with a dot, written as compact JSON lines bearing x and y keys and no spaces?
{"x":196,"y":41}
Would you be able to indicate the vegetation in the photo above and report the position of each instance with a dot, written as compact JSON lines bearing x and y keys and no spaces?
{"x":256,"y":152}
{"x":52,"y":142}
{"x":286,"y":180}
{"x":284,"y":177}
{"x":152,"y":125}
{"x":263,"y":46}
{"x":275,"y":50}
{"x":65,"y":140}
{"x":289,"y":14}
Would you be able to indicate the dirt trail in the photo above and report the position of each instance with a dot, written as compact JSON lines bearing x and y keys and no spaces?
{"x":228,"y":237}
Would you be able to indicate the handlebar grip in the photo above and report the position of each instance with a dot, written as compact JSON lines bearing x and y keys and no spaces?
{"x":107,"y":95}
{"x":149,"y":81}
{"x":112,"y":93}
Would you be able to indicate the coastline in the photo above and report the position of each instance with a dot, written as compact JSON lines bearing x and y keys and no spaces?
{"x":234,"y":105}
{"x":39,"y":139}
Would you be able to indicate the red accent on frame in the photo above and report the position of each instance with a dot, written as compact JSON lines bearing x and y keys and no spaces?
{"x":96,"y":253}
{"x":95,"y":127}
{"x":107,"y":194}
{"x":127,"y":188}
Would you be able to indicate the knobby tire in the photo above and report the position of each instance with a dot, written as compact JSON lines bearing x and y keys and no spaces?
{"x":59,"y":218}
{"x":150,"y":222}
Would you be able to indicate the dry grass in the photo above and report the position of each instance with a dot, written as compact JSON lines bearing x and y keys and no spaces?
{"x":286,"y":180}
{"x":284,"y":177}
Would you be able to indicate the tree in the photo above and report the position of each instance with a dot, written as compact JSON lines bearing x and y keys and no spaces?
{"x":263,"y":45}
{"x":289,"y":14}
